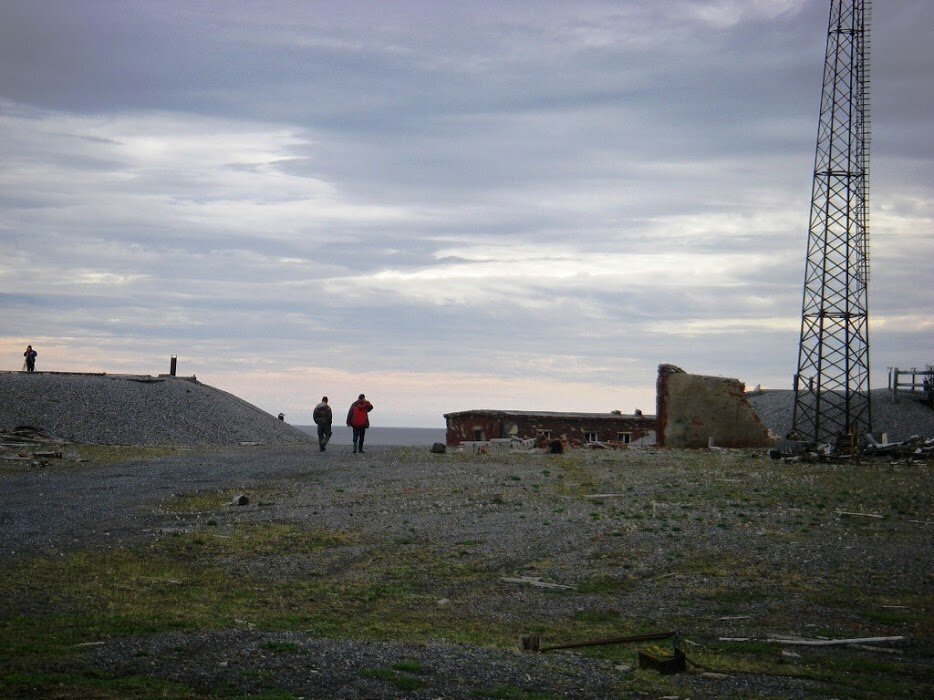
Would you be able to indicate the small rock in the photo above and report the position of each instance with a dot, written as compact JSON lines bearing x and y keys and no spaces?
{"x":240,"y":500}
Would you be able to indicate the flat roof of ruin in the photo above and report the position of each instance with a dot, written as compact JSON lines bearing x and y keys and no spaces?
{"x":545,"y":414}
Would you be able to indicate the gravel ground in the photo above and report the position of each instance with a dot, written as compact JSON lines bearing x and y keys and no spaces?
{"x":520,"y":519}
{"x":634,"y":516}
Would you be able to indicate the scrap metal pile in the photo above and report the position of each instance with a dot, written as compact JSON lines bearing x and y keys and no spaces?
{"x":915,"y":449}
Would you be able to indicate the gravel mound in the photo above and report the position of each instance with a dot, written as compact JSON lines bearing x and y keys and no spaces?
{"x":136,"y":410}
{"x":900,"y":420}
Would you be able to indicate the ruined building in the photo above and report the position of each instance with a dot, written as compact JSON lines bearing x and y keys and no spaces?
{"x":480,"y":425}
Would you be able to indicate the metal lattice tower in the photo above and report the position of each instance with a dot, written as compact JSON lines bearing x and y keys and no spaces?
{"x":832,"y":382}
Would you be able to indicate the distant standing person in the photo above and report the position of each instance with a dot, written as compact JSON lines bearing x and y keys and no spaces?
{"x":358,"y":418}
{"x":30,"y":356}
{"x":322,"y":417}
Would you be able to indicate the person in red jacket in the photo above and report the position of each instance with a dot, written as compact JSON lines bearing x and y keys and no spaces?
{"x":358,"y":418}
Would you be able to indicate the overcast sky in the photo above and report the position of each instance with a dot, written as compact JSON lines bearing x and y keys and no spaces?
{"x":445,"y":205}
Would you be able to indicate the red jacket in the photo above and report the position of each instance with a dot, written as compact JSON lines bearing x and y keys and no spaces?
{"x":357,"y":416}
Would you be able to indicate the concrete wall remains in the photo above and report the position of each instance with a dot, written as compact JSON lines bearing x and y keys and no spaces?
{"x":696,"y":411}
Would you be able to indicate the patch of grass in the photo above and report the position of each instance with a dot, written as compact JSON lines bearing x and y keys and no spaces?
{"x":215,"y":502}
{"x":414,"y":667}
{"x":106,"y":455}
{"x":506,"y":692}
{"x":89,"y":685}
{"x":380,"y":673}
{"x":597,"y":616}
{"x":888,"y":618}
{"x":402,"y":680}
{"x":605,"y":585}
{"x":183,"y":582}
{"x":842,"y":673}
{"x":288,"y":647}
{"x":78,"y":458}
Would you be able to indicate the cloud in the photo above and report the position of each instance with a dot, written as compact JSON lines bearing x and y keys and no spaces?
{"x":470,"y":202}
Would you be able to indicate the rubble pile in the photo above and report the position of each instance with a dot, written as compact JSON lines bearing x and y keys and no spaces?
{"x":28,"y":445}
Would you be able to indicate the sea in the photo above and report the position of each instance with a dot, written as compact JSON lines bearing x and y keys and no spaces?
{"x":409,"y":437}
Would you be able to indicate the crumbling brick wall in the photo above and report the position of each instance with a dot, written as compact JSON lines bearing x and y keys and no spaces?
{"x":693,"y":409}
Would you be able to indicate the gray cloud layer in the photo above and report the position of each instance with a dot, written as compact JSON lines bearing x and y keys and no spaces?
{"x":542,"y":194}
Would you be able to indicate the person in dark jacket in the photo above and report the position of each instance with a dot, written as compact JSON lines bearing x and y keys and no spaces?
{"x":358,"y":418}
{"x":322,"y":417}
{"x":30,"y":356}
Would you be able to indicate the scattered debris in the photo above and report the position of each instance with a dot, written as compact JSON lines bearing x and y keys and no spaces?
{"x":535,"y":581}
{"x":24,"y":439}
{"x":861,"y":515}
{"x":915,"y":448}
{"x":885,"y":650}
{"x":797,"y":641}
{"x":533,"y":642}
{"x":665,"y":666}
{"x":25,"y":435}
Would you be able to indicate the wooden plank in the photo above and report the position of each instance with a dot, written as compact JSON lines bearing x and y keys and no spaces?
{"x":816,"y":642}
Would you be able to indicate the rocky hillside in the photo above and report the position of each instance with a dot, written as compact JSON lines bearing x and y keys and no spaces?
{"x":136,"y":410}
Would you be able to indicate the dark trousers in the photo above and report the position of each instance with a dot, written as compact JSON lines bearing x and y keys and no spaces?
{"x":358,"y":434}
{"x":324,"y":434}
{"x":30,"y":365}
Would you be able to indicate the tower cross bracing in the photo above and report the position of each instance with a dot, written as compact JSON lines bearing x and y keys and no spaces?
{"x":832,"y":380}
